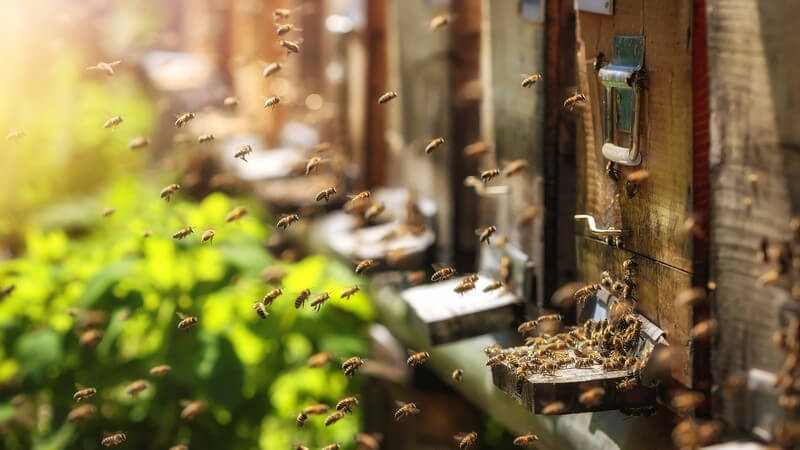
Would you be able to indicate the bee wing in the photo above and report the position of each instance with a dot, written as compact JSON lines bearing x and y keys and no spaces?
{"x":114,"y":63}
{"x":180,"y":315}
{"x":411,"y":351}
{"x":459,"y":436}
{"x":399,"y":403}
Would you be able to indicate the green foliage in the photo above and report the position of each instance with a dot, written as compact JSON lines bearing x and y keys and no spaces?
{"x":252,"y":372}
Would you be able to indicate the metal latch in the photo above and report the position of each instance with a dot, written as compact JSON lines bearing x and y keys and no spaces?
{"x":622,"y":79}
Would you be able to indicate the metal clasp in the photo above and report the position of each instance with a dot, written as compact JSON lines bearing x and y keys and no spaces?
{"x":623,"y":77}
{"x":612,"y":235}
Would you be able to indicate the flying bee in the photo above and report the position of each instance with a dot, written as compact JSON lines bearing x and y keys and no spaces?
{"x":138,"y":142}
{"x":685,"y":401}
{"x":192,"y":409}
{"x":281,"y":14}
{"x":182,"y":233}
{"x":81,"y":413}
{"x":271,"y":68}
{"x":300,"y":447}
{"x":505,"y":269}
{"x":167,"y":192}
{"x":612,"y":171}
{"x":243,"y":152}
{"x":105,"y":67}
{"x":347,"y":404}
{"x":301,"y":298}
{"x":179,"y":447}
{"x":136,"y":387}
{"x":464,"y":286}
{"x":272,"y":101}
{"x":312,"y":164}
{"x":363,"y":195}
{"x":186,"y":322}
{"x":285,"y":28}
{"x":236,"y":214}
{"x":109,"y":211}
{"x":325,"y":194}
{"x":90,"y":338}
{"x":494,"y":285}
{"x":112,"y":440}
{"x":301,"y":420}
{"x":316,"y":410}
{"x":15,"y":135}
{"x":160,"y":370}
{"x":364,"y":265}
{"x":208,"y":236}
{"x":183,"y":119}
{"x":290,"y":46}
{"x":230,"y":102}
{"x":287,"y":220}
{"x":271,"y":296}
{"x":488,"y":175}
{"x":514,"y":167}
{"x":415,"y":278}
{"x":627,"y":384}
{"x":84,"y":393}
{"x":703,"y":330}
{"x":769,"y":277}
{"x":366,"y":441}
{"x":485,"y":234}
{"x":374,"y":211}
{"x":417,"y":359}
{"x":6,"y":291}
{"x":633,"y":180}
{"x":530,"y":80}
{"x":391,"y":95}
{"x":351,"y":365}
{"x":582,"y":294}
{"x":553,"y":408}
{"x":332,"y":447}
{"x":476,"y":149}
{"x":457,"y":375}
{"x":319,"y":301}
{"x":527,"y":215}
{"x":433,"y":145}
{"x":440,"y":21}
{"x":466,"y":440}
{"x":405,"y":410}
{"x":333,"y":418}
{"x":525,"y":440}
{"x":690,"y":297}
{"x":260,"y":309}
{"x":349,"y":292}
{"x":442,"y":273}
{"x":575,"y":100}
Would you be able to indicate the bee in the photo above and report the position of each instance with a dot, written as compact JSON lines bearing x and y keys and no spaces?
{"x":113,"y":440}
{"x":192,"y":409}
{"x":243,"y":152}
{"x":286,"y":28}
{"x":138,"y":142}
{"x":160,"y":370}
{"x":612,"y":171}
{"x":525,"y":440}
{"x":530,"y":80}
{"x":505,"y":269}
{"x":374,"y":211}
{"x":301,"y":447}
{"x":15,"y":135}
{"x":6,"y":291}
{"x":553,"y":408}
{"x":351,"y":365}
{"x":415,"y":278}
{"x":333,"y":418}
{"x":349,"y":292}
{"x":476,"y":149}
{"x":768,"y":278}
{"x":260,"y":309}
{"x":136,"y":387}
{"x":633,"y":180}
{"x":272,"y":68}
{"x":405,"y":410}
{"x":575,"y":100}
{"x":691,"y":224}
{"x":332,"y":447}
{"x":281,"y":14}
{"x":391,"y":95}
{"x":81,"y":413}
{"x":440,"y":21}
{"x":90,"y":338}
{"x":466,"y":440}
{"x":272,"y":274}
{"x":271,"y":296}
{"x":236,"y":214}
{"x":360,"y":196}
{"x":417,"y":359}
{"x":183,"y":119}
{"x":525,"y":327}
{"x":457,"y":375}
{"x":208,"y":236}
{"x":494,"y":285}
{"x":442,"y":273}
{"x":320,"y":359}
{"x":464,"y":286}
{"x":325,"y":194}
{"x":105,"y":67}
{"x":290,"y":46}
{"x":270,"y":102}
{"x":230,"y":102}
{"x":487,"y":175}
{"x":527,"y":216}
{"x":485,"y":234}
{"x":514,"y":167}
{"x":316,"y":410}
{"x":167,"y":192}
{"x":301,"y":298}
{"x":186,"y":322}
{"x":182,"y":233}
{"x":627,"y":384}
{"x":366,"y":441}
{"x":287,"y":220}
{"x":203,"y":138}
{"x":690,"y":297}
{"x":147,"y":234}
{"x":109,"y":211}
{"x":347,"y":404}
{"x":585,"y":292}
{"x":312,"y":164}
{"x":301,"y":420}
{"x":84,"y":393}
{"x":685,"y":401}
{"x":319,"y":301}
{"x":364,"y":265}
{"x":179,"y":447}
{"x":433,"y":145}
